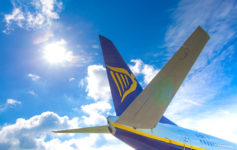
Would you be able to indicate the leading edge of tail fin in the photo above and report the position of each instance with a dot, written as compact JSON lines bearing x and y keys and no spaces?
{"x":123,"y":84}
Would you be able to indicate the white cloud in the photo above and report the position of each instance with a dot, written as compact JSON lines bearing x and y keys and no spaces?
{"x":31,"y":92}
{"x":98,"y":89}
{"x":32,"y":14}
{"x":16,"y":15}
{"x":148,"y":71}
{"x":9,"y":103}
{"x":192,"y":102}
{"x":71,"y":79}
{"x":137,"y":67}
{"x":95,"y":112}
{"x":95,"y":46}
{"x":28,"y":134}
{"x":86,"y":143}
{"x":94,"y":107}
{"x":35,"y":133}
{"x":81,"y":83}
{"x":98,"y":86}
{"x":12,"y":102}
{"x":34,"y":77}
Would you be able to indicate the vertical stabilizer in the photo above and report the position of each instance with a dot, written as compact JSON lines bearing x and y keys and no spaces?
{"x":123,"y":84}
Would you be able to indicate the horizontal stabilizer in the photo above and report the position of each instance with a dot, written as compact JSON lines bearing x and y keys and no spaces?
{"x":98,"y":129}
{"x":147,"y":109}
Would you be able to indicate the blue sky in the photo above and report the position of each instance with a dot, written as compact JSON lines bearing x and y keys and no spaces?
{"x":40,"y":93}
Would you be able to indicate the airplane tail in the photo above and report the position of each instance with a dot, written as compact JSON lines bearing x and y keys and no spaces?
{"x":140,"y":108}
{"x":123,"y":84}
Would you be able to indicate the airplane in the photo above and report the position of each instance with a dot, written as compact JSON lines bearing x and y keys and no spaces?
{"x":139,"y":119}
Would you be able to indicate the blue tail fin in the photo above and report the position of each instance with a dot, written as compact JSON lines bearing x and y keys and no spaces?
{"x":123,"y":84}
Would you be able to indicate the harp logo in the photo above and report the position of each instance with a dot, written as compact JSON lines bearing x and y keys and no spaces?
{"x":124,"y":81}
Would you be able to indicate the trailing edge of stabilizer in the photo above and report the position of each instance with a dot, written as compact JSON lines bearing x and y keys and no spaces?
{"x":98,"y":129}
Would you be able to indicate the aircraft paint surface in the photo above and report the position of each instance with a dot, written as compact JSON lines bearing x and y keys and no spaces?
{"x":138,"y":110}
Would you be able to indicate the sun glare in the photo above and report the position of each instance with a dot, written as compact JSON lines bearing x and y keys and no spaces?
{"x":56,"y":53}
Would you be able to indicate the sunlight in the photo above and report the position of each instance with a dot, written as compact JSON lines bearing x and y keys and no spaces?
{"x":56,"y":53}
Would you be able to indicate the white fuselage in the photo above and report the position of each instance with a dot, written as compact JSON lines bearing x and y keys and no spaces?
{"x":172,"y":134}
